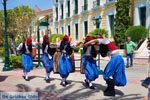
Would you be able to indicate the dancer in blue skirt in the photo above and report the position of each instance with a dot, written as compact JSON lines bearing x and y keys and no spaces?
{"x":47,"y":57}
{"x":64,"y":59}
{"x":114,"y":73}
{"x":26,"y":49}
{"x":89,"y":63}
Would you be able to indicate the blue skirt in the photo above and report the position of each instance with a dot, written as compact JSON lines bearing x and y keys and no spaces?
{"x":64,"y":66}
{"x":47,"y":63}
{"x":116,"y":69}
{"x":27,"y":62}
{"x":90,"y":68}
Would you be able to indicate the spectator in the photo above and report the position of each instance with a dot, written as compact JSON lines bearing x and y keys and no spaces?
{"x":130,"y":46}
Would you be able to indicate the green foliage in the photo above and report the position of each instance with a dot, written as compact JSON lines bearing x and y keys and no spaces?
{"x":122,"y":19}
{"x":16,"y":61}
{"x":56,"y":36}
{"x":51,"y":36}
{"x":77,"y":49}
{"x":137,"y":33}
{"x":2,"y":51}
{"x":98,"y":32}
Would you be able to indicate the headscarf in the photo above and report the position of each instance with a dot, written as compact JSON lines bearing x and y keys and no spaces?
{"x":88,"y":38}
{"x":46,"y":39}
{"x":29,"y":41}
{"x":66,"y":38}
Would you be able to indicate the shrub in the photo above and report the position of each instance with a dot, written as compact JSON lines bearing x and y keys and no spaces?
{"x":98,"y":32}
{"x":51,"y":36}
{"x":137,"y":33}
{"x":56,"y":36}
{"x":16,"y":61}
{"x":77,"y":49}
{"x":2,"y":52}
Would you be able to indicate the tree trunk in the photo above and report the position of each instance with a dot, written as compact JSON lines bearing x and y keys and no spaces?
{"x":14,"y":47}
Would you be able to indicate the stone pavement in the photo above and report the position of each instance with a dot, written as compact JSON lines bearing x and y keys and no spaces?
{"x":12,"y":81}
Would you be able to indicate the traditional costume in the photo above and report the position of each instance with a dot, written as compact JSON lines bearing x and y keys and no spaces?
{"x":47,"y":57}
{"x":26,"y":49}
{"x":114,"y":73}
{"x":89,"y":63}
{"x":65,"y":61}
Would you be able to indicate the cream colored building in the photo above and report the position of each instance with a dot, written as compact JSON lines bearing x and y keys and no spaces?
{"x":75,"y":17}
{"x":43,"y":30}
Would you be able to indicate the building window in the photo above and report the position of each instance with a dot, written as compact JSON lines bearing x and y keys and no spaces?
{"x":62,"y":30}
{"x":143,"y":16}
{"x":56,"y":0}
{"x":85,"y":7}
{"x":68,"y":14}
{"x":76,"y":31}
{"x":111,"y":17}
{"x":69,"y":33}
{"x":56,"y":13}
{"x":76,"y":7}
{"x":62,"y":11}
{"x":57,"y":30}
{"x":85,"y":28}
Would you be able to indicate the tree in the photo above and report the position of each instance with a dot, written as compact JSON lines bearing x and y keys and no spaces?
{"x":47,"y":17}
{"x":122,"y":20}
{"x":98,"y":32}
{"x":18,"y":20}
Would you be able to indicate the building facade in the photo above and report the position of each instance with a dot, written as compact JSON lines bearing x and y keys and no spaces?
{"x":76,"y":17}
{"x":40,"y":15}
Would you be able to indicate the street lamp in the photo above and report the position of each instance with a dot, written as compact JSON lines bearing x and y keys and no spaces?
{"x":38,"y":36}
{"x":97,"y":21}
{"x":6,"y":65}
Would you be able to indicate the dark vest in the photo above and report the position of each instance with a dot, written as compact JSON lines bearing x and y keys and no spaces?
{"x":50,"y":50}
{"x":23,"y":50}
{"x":68,"y":49}
{"x":103,"y":50}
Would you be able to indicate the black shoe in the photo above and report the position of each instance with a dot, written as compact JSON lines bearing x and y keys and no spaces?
{"x":66,"y":82}
{"x":131,"y":65}
{"x":27,"y":79}
{"x":91,"y":87}
{"x":23,"y":76}
{"x":63,"y":84}
{"x":110,"y":90}
{"x":86,"y":82}
{"x":127,"y":66}
{"x":47,"y":80}
{"x":109,"y":93}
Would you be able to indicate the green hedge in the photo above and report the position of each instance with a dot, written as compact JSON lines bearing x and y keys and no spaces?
{"x":51,"y":36}
{"x":77,"y":49}
{"x":16,"y":61}
{"x":56,"y":36}
{"x":98,"y":32}
{"x":137,"y":33}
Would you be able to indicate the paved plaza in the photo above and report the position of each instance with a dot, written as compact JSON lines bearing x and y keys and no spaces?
{"x":12,"y":81}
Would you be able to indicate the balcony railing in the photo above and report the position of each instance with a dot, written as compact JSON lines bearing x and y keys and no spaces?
{"x":96,"y":4}
{"x":85,"y":8}
{"x":75,"y":11}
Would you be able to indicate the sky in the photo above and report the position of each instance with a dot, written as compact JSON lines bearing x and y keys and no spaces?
{"x":42,"y":4}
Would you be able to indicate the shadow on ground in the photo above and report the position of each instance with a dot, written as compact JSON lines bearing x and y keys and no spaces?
{"x":52,"y":93}
{"x":3,"y":78}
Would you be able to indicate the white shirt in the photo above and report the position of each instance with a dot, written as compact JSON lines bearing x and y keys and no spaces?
{"x":64,"y":51}
{"x":21,"y":46}
{"x":105,"y":42}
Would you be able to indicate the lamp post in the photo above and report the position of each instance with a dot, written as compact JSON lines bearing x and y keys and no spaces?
{"x":38,"y":39}
{"x":97,"y":21}
{"x":6,"y":65}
